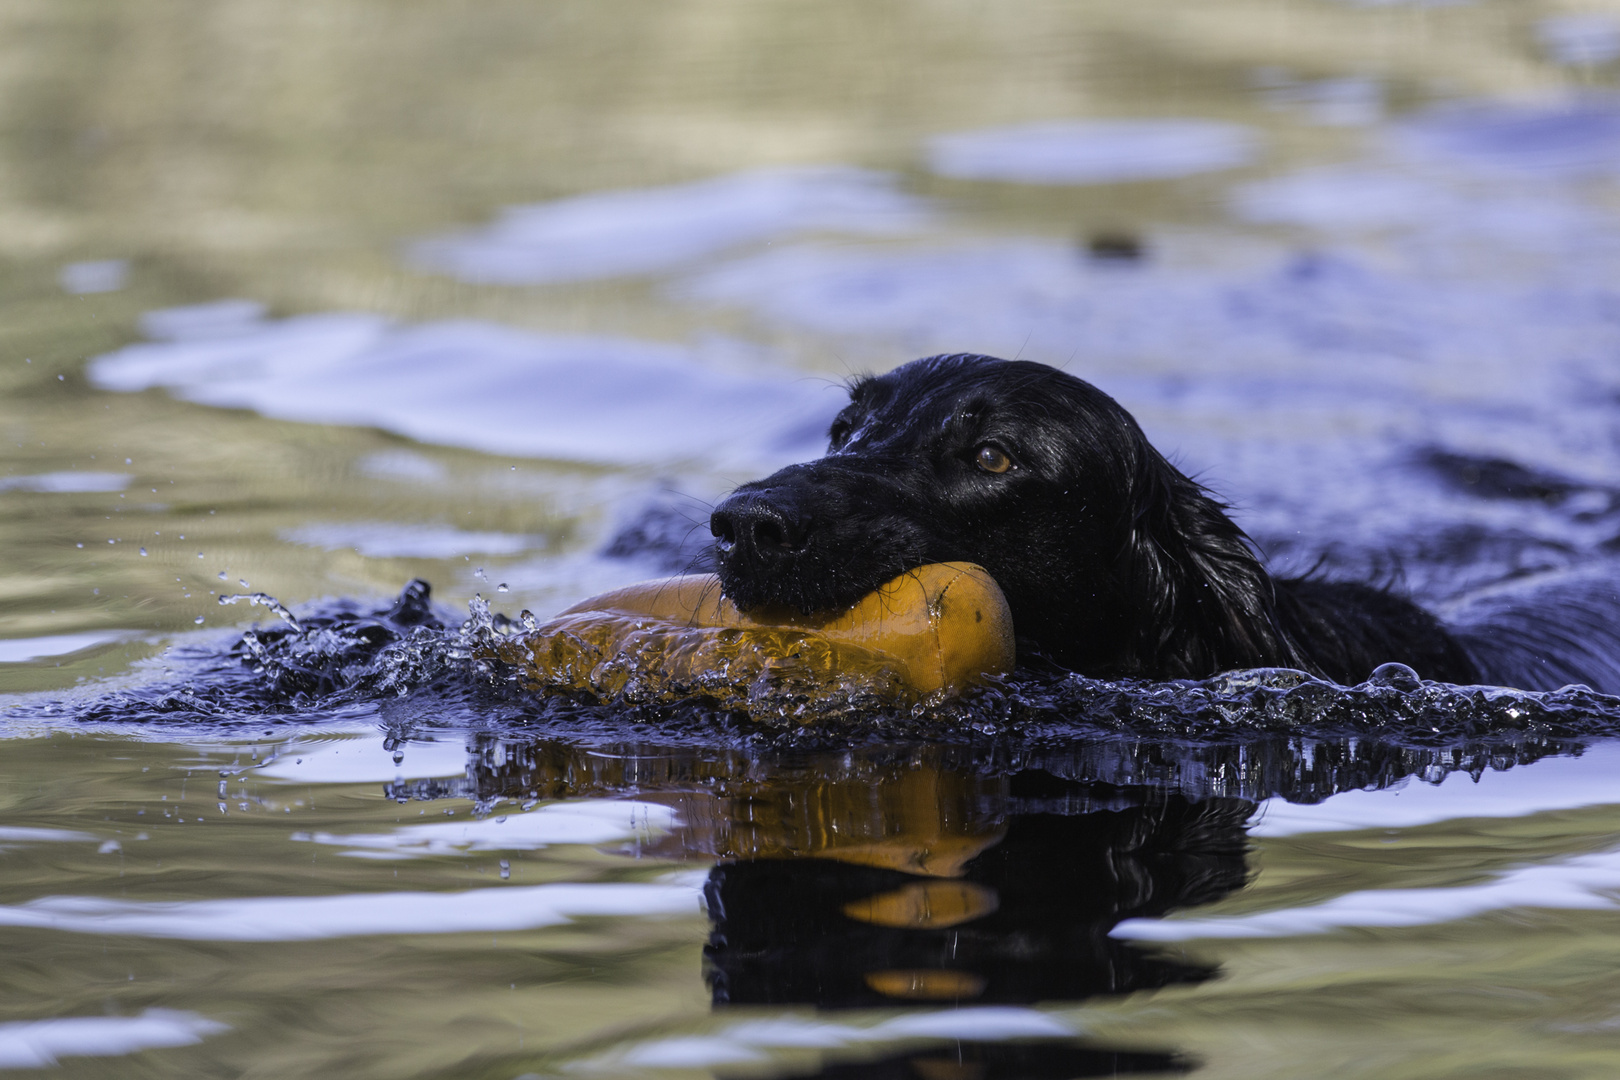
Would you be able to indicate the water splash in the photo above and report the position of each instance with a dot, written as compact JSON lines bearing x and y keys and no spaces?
{"x":423,"y":667}
{"x":264,"y":600}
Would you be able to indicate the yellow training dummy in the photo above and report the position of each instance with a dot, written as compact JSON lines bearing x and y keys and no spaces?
{"x":932,"y":631}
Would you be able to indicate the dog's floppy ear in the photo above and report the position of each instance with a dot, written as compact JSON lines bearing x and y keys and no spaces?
{"x":1203,"y":601}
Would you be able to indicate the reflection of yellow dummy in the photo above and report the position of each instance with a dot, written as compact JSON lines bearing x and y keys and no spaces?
{"x":934,"y":630}
{"x":921,"y":820}
{"x":922,"y":815}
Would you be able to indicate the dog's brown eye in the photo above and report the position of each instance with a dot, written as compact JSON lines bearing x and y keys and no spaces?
{"x":992,"y":460}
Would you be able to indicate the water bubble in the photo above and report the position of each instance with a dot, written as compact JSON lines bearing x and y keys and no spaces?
{"x":502,"y":587}
{"x":198,"y":620}
{"x":1395,"y":675}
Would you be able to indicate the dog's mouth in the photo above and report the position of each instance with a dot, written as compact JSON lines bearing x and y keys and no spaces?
{"x":809,"y":578}
{"x":805,"y":593}
{"x":763,"y":560}
{"x":816,"y":537}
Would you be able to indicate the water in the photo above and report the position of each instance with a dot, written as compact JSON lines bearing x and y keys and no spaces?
{"x":303,"y":303}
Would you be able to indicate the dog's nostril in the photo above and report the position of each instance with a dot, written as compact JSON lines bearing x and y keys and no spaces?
{"x":770,"y":534}
{"x":725,"y":534}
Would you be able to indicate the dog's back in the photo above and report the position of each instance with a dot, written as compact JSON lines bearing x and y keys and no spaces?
{"x":1546,"y":631}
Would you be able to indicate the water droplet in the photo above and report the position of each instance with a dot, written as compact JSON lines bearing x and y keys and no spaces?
{"x":222,"y":576}
{"x":242,"y":581}
{"x":143,"y":551}
{"x":78,"y":545}
{"x":199,"y":554}
{"x":506,"y":869}
{"x":129,"y":461}
{"x":399,"y":756}
{"x":502,"y":587}
{"x":198,"y":620}
{"x":528,"y":620}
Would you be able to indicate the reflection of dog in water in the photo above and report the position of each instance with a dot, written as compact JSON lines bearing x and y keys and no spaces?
{"x":1025,"y":919}
{"x":1113,"y":561}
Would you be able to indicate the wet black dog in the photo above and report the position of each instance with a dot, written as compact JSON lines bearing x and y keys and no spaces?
{"x":1113,"y":561}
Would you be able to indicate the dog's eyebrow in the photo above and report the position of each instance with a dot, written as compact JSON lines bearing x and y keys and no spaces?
{"x":858,"y":385}
{"x":966,"y":412}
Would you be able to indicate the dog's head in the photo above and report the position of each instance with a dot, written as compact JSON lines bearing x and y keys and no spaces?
{"x":1111,"y":559}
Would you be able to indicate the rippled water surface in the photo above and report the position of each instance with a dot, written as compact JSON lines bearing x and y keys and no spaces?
{"x":313,"y":299}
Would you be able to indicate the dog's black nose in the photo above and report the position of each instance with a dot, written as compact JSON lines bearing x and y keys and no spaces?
{"x":753,"y":525}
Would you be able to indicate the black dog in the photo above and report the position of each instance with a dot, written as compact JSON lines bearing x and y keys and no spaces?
{"x":1113,"y":561}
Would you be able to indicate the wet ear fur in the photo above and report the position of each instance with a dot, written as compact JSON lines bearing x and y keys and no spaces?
{"x":1209,"y":604}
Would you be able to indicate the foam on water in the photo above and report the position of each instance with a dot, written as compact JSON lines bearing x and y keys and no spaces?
{"x":653,"y":230}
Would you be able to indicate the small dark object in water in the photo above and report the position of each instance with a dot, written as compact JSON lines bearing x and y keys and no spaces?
{"x":1114,"y":562}
{"x":1115,"y":247}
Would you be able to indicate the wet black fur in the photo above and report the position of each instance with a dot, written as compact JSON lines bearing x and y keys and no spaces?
{"x":1113,"y":561}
